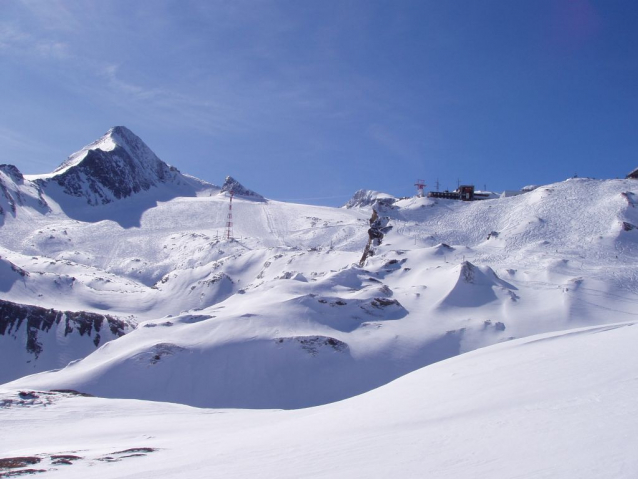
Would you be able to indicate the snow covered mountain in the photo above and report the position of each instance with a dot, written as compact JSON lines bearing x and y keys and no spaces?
{"x":284,"y":316}
{"x":116,"y":166}
{"x":117,"y":278}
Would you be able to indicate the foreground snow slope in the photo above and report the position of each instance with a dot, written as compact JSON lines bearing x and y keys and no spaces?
{"x":284,"y":318}
{"x":556,"y":405}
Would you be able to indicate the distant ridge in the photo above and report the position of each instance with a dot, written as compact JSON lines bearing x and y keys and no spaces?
{"x":364,"y":198}
{"x":231,"y":184}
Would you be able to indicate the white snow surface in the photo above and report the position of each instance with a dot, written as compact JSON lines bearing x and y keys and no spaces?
{"x":16,"y":192}
{"x":491,"y":339}
{"x":555,"y":405}
{"x":282,"y":317}
{"x":363,"y":198}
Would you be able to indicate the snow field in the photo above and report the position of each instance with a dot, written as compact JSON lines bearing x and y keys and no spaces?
{"x":555,"y":405}
{"x":290,"y":276}
{"x":533,"y":297}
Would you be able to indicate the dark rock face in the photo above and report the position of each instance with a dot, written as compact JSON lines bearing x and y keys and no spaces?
{"x":378,"y":229}
{"x":36,"y":320}
{"x":108,"y":175}
{"x":237,"y":188}
{"x":116,"y":166}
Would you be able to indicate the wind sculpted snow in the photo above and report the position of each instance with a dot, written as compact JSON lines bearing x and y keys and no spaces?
{"x":448,"y":278}
{"x":282,"y":316}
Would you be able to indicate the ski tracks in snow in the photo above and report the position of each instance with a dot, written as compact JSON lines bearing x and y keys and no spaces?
{"x":271,"y":225}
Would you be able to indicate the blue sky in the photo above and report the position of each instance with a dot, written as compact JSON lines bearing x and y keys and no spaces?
{"x":311,"y":100}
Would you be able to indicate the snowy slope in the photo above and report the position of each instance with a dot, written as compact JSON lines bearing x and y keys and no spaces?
{"x":284,"y":318}
{"x":288,"y":315}
{"x":556,"y":405}
{"x":37,"y":336}
{"x":16,"y":192}
{"x":174,"y":262}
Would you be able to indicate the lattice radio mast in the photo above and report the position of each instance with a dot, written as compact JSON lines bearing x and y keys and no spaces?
{"x":229,"y":221}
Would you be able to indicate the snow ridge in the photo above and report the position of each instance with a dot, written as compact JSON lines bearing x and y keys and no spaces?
{"x":363,"y":198}
{"x":16,"y":191}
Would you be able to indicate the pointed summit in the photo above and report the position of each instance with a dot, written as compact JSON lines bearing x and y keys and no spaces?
{"x":231,"y":184}
{"x":118,"y":136}
{"x":116,"y":166}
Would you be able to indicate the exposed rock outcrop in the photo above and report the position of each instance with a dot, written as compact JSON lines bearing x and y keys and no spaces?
{"x":313,"y":345}
{"x":378,"y":228}
{"x":35,"y":339}
{"x":36,"y":320}
{"x":231,"y":184}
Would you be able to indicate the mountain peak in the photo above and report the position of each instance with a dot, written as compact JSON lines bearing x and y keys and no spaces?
{"x":125,"y":138}
{"x":231,"y":184}
{"x":118,"y":136}
{"x":116,"y":165}
{"x":121,"y":131}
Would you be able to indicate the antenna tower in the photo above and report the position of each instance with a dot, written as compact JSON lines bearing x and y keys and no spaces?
{"x":229,"y":221}
{"x":420,"y":184}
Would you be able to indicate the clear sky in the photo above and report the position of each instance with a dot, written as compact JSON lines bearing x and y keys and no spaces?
{"x":310,"y":100}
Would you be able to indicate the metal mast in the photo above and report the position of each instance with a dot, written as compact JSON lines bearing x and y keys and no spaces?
{"x":229,"y":221}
